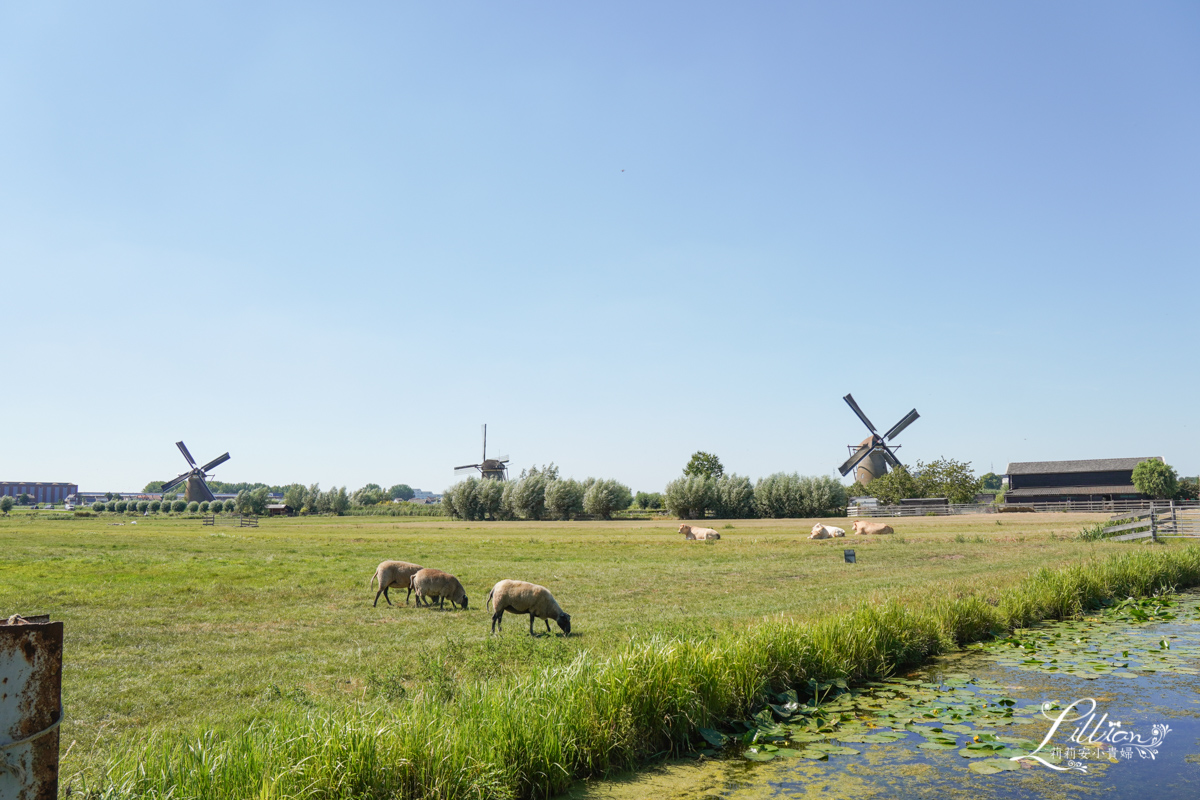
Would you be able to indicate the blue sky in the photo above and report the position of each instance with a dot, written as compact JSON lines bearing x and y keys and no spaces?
{"x":333,"y":239}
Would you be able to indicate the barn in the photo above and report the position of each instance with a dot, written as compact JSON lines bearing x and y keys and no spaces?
{"x":1089,"y":480}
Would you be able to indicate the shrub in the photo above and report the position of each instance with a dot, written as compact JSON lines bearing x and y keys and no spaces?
{"x":193,"y":507}
{"x":154,"y":506}
{"x":490,"y":494}
{"x":179,"y":506}
{"x":529,"y":495}
{"x":216,"y":507}
{"x":605,"y":496}
{"x":6,"y":503}
{"x":80,"y":513}
{"x":120,"y":506}
{"x":111,"y":505}
{"x":564,"y":498}
{"x":690,"y":497}
{"x":204,"y":506}
{"x":791,"y":495}
{"x":143,"y":506}
{"x":462,"y":499}
{"x":98,"y":506}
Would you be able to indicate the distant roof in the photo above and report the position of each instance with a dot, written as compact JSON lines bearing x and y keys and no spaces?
{"x":1042,"y":491}
{"x":1087,"y":465}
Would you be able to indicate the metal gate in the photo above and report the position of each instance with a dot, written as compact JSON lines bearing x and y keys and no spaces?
{"x":30,"y":707}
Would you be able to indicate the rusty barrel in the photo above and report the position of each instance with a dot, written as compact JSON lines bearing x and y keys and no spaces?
{"x":30,"y":707}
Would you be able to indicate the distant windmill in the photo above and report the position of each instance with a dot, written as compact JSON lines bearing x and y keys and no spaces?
{"x":872,"y":456}
{"x":494,"y":468}
{"x":197,"y":489}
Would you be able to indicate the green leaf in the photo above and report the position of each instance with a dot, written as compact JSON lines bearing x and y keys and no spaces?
{"x":715,"y":738}
{"x":753,"y":755}
{"x":993,"y":765}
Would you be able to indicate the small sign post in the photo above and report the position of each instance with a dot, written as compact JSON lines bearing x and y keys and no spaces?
{"x":849,"y":556}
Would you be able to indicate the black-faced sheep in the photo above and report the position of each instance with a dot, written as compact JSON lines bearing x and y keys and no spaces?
{"x":393,"y":573}
{"x":519,"y":597}
{"x":431,"y":583}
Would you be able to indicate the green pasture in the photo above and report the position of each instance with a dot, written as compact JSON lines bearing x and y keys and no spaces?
{"x":172,"y":626}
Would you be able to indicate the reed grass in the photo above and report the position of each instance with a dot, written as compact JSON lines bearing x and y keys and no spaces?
{"x":526,"y":736}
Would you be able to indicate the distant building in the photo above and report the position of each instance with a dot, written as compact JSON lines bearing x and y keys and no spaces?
{"x":280,"y":510}
{"x":1089,"y":480}
{"x":40,"y":492}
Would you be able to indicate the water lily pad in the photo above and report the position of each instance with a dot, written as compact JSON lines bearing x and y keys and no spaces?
{"x":756,"y":755}
{"x":715,"y":738}
{"x":786,"y":752}
{"x":938,"y":744}
{"x":993,"y":765}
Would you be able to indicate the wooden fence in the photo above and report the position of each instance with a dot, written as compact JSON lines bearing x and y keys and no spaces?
{"x":241,"y":522}
{"x":1160,"y":521}
{"x":1096,"y":507}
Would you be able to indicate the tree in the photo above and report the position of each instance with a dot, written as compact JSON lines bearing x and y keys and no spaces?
{"x":605,"y":496}
{"x":704,"y":464}
{"x":204,"y":506}
{"x":143,"y":506}
{"x":369,"y":495}
{"x":564,"y":498}
{"x":260,"y":497}
{"x":294,"y":496}
{"x":1189,"y":489}
{"x":648,"y":500}
{"x":6,"y":504}
{"x":691,"y":496}
{"x":1157,"y":479}
{"x":154,"y":506}
{"x":895,"y":486}
{"x":241,"y":503}
{"x":401,"y":491}
{"x":193,"y":507}
{"x":529,"y":494}
{"x":490,"y":496}
{"x":119,"y":506}
{"x":947,"y":478}
{"x":99,"y":506}
{"x":179,"y":506}
{"x":216,"y":507}
{"x":153,"y":487}
{"x":990,"y":482}
{"x":735,"y":497}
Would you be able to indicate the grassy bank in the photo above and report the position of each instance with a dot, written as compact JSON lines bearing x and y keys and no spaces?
{"x":530,"y":735}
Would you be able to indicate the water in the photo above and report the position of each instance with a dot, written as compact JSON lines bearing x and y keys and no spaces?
{"x":1140,"y":663}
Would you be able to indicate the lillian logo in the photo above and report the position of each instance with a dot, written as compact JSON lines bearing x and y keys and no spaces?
{"x":1091,"y":737}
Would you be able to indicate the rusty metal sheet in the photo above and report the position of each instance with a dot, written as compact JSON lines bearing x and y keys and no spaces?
{"x":30,"y":708}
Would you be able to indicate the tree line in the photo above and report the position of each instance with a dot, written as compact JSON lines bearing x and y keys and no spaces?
{"x":536,"y":494}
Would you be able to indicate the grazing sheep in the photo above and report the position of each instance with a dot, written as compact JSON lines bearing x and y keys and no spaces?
{"x":393,"y":573}
{"x":820,"y":531}
{"x":861,"y":528}
{"x":698,"y":533}
{"x":519,"y":597}
{"x":430,"y":583}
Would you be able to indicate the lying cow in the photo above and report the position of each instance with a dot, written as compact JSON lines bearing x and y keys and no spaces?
{"x":698,"y":533}
{"x":862,"y":528}
{"x":820,"y":531}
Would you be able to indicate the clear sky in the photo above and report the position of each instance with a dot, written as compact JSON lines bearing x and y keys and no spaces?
{"x":334,"y":238}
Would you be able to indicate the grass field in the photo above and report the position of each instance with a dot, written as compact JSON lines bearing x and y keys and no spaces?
{"x":171,"y":626}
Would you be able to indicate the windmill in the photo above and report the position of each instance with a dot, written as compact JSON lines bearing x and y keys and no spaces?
{"x":872,"y":456}
{"x":197,"y":489}
{"x":493,"y":468}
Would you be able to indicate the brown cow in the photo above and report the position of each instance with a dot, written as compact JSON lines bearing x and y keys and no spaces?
{"x":861,"y":528}
{"x":698,"y":533}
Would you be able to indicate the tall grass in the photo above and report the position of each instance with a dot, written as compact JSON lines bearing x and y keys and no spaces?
{"x":530,"y":736}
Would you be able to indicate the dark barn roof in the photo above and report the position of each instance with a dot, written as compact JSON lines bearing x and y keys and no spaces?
{"x":1063,"y":491}
{"x":1087,"y":465}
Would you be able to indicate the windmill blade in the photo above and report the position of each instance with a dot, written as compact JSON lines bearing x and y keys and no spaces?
{"x":468,"y":466}
{"x":889,"y":456}
{"x":464,"y":470}
{"x":854,"y":407}
{"x":216,"y":462}
{"x":858,"y":456}
{"x":502,"y":459}
{"x":207,"y":493}
{"x":183,"y":449}
{"x":909,"y":419}
{"x":169,"y":485}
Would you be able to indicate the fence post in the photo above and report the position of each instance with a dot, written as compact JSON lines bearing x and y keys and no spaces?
{"x":1153,"y":524}
{"x":30,"y":707}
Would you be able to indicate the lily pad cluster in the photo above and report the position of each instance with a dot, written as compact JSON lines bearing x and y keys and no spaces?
{"x":956,"y":713}
{"x":1094,"y":647}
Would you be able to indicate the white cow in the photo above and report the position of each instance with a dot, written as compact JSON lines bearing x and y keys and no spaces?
{"x":698,"y":533}
{"x":820,"y":531}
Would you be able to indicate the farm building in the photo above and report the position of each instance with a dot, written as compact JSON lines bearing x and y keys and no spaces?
{"x":1076,"y":481}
